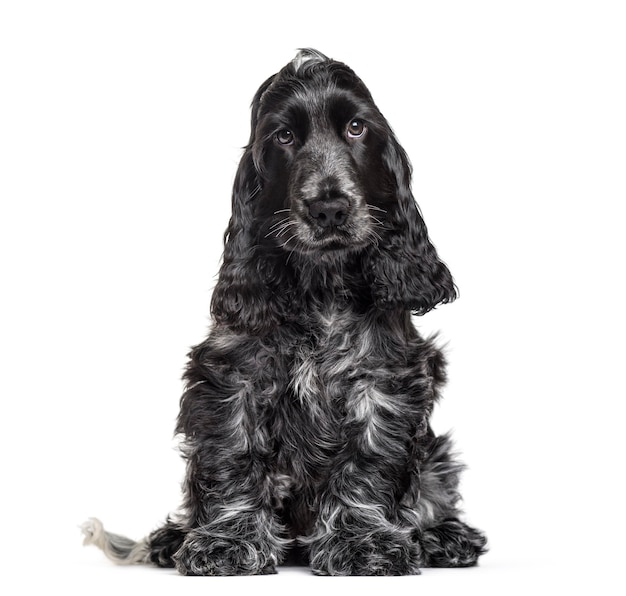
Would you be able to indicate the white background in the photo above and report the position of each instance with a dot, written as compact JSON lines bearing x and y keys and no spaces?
{"x":121,"y":124}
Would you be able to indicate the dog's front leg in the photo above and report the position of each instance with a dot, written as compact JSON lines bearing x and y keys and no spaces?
{"x":358,"y":530}
{"x":232,"y":529}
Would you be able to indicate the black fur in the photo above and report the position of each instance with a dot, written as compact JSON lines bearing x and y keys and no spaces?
{"x":306,"y":411}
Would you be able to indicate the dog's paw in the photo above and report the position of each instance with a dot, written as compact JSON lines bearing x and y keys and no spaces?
{"x":203,"y":554}
{"x":372,"y":553}
{"x":452,"y":543}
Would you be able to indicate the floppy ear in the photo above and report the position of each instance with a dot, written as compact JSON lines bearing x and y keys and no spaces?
{"x":245,"y":296}
{"x":405,"y":271}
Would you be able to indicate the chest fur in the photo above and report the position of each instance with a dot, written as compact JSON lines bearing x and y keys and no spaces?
{"x":335,"y":354}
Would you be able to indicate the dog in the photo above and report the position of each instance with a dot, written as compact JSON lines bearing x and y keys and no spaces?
{"x":305,"y":415}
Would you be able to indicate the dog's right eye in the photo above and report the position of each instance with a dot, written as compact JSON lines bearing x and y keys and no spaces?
{"x":284,"y":137}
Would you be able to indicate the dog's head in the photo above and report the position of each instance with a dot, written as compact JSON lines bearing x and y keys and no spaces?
{"x":323,"y":177}
{"x":317,"y":147}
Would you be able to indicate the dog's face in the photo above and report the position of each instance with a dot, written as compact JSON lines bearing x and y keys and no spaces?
{"x":323,"y":178}
{"x":319,"y":142}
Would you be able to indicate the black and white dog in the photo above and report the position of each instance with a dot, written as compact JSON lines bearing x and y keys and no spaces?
{"x":306,"y":410}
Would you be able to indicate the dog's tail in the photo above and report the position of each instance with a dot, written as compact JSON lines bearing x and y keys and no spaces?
{"x":157,"y":548}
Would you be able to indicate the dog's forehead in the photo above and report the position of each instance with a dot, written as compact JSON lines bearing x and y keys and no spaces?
{"x":313,"y":97}
{"x":320,"y":98}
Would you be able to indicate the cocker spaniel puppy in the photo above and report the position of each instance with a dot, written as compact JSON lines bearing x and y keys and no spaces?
{"x":306,"y":410}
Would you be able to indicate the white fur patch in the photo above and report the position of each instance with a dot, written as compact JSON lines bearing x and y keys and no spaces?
{"x":305,"y":56}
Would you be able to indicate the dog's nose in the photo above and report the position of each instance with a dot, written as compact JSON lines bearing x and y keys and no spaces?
{"x":329,"y":213}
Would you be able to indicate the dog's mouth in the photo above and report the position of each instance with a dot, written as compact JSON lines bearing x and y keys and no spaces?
{"x":333,"y":239}
{"x":308,"y":237}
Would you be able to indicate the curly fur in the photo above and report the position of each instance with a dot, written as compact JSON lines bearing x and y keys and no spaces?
{"x":306,"y":411}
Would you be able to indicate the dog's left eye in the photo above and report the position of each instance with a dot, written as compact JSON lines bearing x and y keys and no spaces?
{"x":356,"y":129}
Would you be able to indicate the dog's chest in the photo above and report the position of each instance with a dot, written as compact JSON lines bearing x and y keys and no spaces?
{"x":309,"y":418}
{"x":329,"y":359}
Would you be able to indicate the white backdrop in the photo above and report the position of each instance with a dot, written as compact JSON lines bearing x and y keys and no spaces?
{"x":121,"y":124}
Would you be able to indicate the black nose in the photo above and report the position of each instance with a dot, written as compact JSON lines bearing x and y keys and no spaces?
{"x":329,"y":213}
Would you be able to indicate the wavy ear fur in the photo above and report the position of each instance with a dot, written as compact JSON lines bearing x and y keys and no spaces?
{"x":244,"y":297}
{"x":405,"y":270}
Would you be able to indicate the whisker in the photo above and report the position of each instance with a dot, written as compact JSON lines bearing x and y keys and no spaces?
{"x":279,"y":227}
{"x":277,"y":233}
{"x":281,"y":211}
{"x":298,"y":242}
{"x":285,"y":228}
{"x":376,"y":208}
{"x":278,"y":223}
{"x":288,"y":241}
{"x":376,"y":239}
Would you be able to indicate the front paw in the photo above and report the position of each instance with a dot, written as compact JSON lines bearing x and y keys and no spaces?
{"x":206,"y":554}
{"x":378,"y":552}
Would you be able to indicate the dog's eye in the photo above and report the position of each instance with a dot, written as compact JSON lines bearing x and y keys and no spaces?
{"x":284,"y":137}
{"x":356,"y":129}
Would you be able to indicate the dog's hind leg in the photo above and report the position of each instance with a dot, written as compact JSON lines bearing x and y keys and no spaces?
{"x":452,"y":543}
{"x":446,"y":541}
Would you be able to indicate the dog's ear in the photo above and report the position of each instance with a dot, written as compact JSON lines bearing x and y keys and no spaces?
{"x":245,"y":295}
{"x":405,"y":271}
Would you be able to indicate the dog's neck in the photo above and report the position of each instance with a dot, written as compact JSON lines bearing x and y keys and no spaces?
{"x":332,"y":280}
